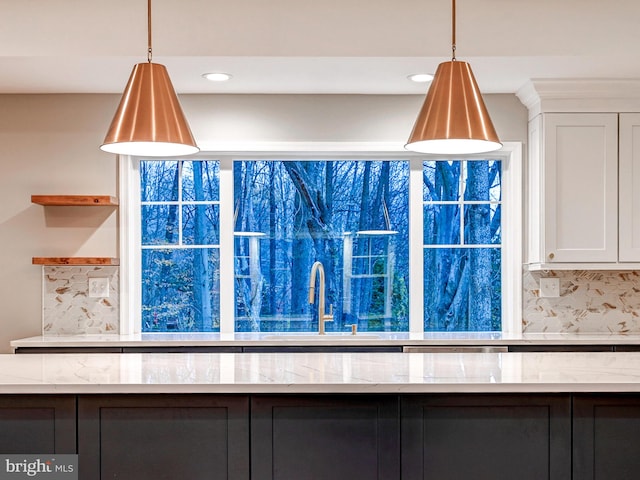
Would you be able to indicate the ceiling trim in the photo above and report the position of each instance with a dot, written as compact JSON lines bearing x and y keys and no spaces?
{"x":580,"y":95}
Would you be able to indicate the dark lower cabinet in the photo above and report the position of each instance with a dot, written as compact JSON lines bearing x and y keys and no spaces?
{"x":38,"y":424}
{"x":156,"y":437}
{"x":331,"y":437}
{"x":325,"y":437}
{"x":606,"y":437}
{"x":486,"y":437}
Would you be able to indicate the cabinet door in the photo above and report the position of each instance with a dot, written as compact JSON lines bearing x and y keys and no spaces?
{"x":606,"y":435}
{"x":486,"y":437}
{"x":146,"y":437}
{"x":325,"y":437}
{"x":581,"y":187}
{"x":37,"y":424}
{"x":629,"y":184}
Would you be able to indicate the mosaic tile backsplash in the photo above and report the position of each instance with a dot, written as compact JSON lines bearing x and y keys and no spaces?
{"x":69,"y":308}
{"x":590,"y":302}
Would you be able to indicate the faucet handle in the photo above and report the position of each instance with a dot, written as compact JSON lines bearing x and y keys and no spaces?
{"x":329,"y":318}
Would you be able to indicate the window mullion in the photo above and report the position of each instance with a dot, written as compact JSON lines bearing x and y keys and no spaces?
{"x":130,"y":240}
{"x":461,"y":203}
{"x":180,"y":203}
{"x":416,"y":249}
{"x":227,"y":270}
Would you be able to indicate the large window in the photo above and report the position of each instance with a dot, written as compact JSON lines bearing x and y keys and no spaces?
{"x":408,"y":243}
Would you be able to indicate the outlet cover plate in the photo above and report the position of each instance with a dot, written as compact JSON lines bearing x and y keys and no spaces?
{"x":550,"y":287}
{"x":98,"y":287}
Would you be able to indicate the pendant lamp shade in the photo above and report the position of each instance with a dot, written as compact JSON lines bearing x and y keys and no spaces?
{"x":453,"y":118}
{"x":149,"y":120}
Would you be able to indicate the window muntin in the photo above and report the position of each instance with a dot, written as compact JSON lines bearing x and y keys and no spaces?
{"x":180,"y":258}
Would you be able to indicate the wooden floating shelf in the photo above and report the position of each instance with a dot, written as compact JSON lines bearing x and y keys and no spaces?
{"x":75,"y":261}
{"x":74,"y":200}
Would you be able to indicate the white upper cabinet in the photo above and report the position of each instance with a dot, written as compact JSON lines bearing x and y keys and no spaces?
{"x":583,"y":191}
{"x":575,"y":166}
{"x":629,"y":188}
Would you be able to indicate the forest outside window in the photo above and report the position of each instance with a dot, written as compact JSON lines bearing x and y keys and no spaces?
{"x":180,"y":246}
{"x":352,"y":216}
{"x":462,"y":245}
{"x":271,"y":219}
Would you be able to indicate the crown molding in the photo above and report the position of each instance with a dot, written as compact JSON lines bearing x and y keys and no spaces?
{"x":580,"y":96}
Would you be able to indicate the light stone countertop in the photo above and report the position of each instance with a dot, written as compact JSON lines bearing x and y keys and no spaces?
{"x":300,"y":373}
{"x":307,"y":339}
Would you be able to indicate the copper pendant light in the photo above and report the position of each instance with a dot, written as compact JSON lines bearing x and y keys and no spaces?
{"x":453,"y":118}
{"x":149,"y":120}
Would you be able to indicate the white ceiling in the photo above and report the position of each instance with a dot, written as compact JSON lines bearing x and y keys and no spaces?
{"x":312,"y":46}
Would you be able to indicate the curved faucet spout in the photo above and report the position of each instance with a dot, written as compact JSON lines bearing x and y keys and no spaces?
{"x":317,"y":270}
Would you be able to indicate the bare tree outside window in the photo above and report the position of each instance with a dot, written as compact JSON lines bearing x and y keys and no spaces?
{"x":351,"y":215}
{"x":180,"y":246}
{"x":462,"y":245}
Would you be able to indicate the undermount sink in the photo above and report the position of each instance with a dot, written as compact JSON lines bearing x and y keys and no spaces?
{"x":327,"y":337}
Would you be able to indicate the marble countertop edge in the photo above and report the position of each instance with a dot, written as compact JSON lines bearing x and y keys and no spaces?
{"x":302,"y":389}
{"x":309,"y":339}
{"x":319,"y":373}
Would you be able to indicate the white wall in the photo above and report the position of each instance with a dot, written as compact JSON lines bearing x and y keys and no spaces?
{"x":49,"y":145}
{"x":327,"y":118}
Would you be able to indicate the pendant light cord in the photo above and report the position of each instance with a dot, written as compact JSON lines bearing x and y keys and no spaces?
{"x":149,"y":51}
{"x":453,"y":30}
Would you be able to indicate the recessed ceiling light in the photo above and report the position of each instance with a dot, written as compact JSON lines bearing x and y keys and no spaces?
{"x":217,"y":77}
{"x":420,"y":77}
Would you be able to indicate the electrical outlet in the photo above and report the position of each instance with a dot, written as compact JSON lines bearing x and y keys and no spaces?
{"x":99,"y":287}
{"x":549,"y":287}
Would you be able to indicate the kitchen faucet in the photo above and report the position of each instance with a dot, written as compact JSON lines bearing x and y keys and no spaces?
{"x":318,"y":270}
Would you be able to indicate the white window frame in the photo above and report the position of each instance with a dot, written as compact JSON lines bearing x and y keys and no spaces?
{"x":512,"y":193}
